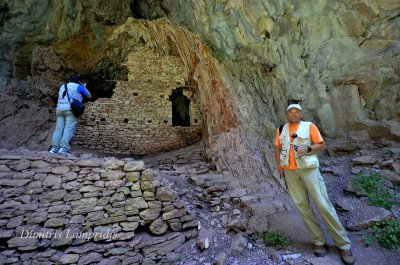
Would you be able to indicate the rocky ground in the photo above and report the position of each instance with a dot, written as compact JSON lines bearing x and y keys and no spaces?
{"x":228,"y":217}
{"x":229,"y":229}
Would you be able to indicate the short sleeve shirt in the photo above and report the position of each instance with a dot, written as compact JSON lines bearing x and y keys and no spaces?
{"x":315,"y":135}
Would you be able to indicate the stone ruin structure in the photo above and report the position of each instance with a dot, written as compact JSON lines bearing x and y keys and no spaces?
{"x":154,"y":110}
{"x":62,"y":210}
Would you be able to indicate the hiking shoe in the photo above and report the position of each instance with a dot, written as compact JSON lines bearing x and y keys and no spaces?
{"x":63,"y":152}
{"x":319,"y":250}
{"x":347,"y":256}
{"x":53,"y":150}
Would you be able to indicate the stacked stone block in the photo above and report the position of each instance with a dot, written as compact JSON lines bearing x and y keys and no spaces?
{"x":210,"y":189}
{"x":138,"y":117}
{"x":66,"y":210}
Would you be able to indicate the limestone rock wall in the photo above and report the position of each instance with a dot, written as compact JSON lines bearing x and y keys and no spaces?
{"x":69,"y":210}
{"x":339,"y":59}
{"x":137,"y":119}
{"x":25,"y":24}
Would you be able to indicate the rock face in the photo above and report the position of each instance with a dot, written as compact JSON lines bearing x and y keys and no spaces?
{"x":96,"y":210}
{"x":247,"y":61}
{"x":324,"y":54}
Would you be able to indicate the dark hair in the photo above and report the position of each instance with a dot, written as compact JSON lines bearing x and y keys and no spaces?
{"x":75,"y":78}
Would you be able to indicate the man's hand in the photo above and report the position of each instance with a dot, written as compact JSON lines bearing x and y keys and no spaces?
{"x":281,"y":173}
{"x":302,"y":150}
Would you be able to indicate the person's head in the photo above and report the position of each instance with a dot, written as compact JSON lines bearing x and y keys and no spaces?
{"x":293,"y":113}
{"x":75,"y":78}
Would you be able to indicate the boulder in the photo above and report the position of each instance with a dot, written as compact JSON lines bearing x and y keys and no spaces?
{"x":390,"y":175}
{"x":52,"y":181}
{"x":204,"y":238}
{"x":149,"y":214}
{"x":173,"y":242}
{"x":166,"y":194}
{"x":113,"y":163}
{"x":14,"y":182}
{"x":132,"y":166}
{"x":65,"y":239}
{"x":69,"y":258}
{"x":239,"y":243}
{"x":364,"y":160}
{"x":175,"y":213}
{"x":23,"y":243}
{"x":149,"y":185}
{"x":113,"y":175}
{"x":60,"y":170}
{"x":40,"y":164}
{"x":92,"y":257}
{"x":129,"y":226}
{"x":15,"y":222}
{"x":367,"y":216}
{"x":52,"y":196}
{"x":158,"y":227}
{"x":148,"y":175}
{"x":87,"y":163}
{"x":257,"y":224}
{"x":237,"y":225}
{"x":139,"y":203}
{"x":132,"y":176}
{"x":344,"y":204}
{"x":20,"y":165}
{"x":262,"y":209}
{"x":54,"y":222}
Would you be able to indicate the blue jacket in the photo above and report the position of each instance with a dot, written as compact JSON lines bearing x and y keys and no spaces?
{"x":75,"y":91}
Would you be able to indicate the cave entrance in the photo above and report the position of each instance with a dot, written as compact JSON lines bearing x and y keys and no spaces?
{"x":102,"y":80}
{"x":180,"y":108}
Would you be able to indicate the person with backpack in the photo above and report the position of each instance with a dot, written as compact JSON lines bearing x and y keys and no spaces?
{"x":296,"y":146}
{"x":69,"y":94}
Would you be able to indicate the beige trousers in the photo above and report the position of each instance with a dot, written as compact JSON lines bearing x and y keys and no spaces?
{"x":302,"y":182}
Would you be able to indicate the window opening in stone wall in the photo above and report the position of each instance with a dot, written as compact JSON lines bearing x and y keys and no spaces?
{"x":180,"y":108}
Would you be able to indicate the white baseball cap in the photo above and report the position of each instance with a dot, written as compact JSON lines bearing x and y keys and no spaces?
{"x":297,"y":106}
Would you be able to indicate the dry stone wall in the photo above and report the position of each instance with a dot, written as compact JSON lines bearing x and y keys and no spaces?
{"x":62,"y":210}
{"x":138,"y":118}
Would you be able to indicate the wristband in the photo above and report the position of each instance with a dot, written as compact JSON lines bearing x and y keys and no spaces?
{"x":309,"y":149}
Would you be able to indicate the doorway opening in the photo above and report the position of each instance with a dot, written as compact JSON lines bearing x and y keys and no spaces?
{"x":180,"y":108}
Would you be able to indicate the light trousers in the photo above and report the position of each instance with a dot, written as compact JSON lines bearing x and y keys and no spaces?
{"x":304,"y":182}
{"x":65,"y":128}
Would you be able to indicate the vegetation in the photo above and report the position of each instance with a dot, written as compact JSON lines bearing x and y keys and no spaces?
{"x":373,"y":186}
{"x":275,"y":239}
{"x":386,"y":233}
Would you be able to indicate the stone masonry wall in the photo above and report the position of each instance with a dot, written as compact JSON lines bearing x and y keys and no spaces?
{"x":138,"y":118}
{"x":63,"y":210}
